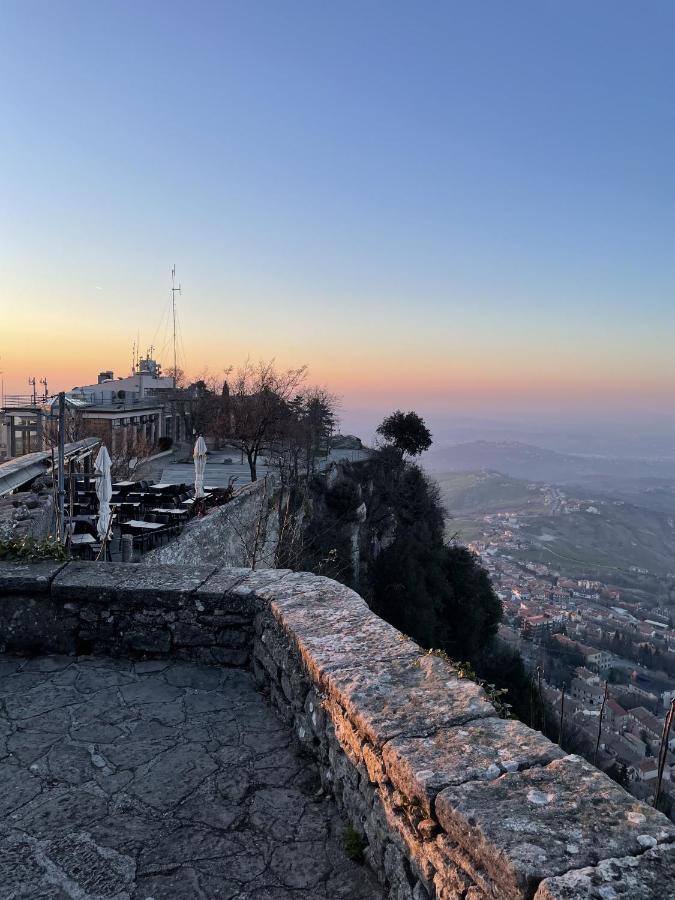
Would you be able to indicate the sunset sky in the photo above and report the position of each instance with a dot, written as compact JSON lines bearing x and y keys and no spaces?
{"x":446,"y":206}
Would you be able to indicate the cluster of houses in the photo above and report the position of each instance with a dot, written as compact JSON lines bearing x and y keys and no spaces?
{"x":630,"y":735}
{"x":551,"y":618}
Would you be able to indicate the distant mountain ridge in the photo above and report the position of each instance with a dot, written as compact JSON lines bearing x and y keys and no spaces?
{"x":531,"y":463}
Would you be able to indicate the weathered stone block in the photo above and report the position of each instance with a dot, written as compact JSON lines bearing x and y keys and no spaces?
{"x":420,"y":767}
{"x":145,"y":641}
{"x":542,"y":822}
{"x":415,"y":697}
{"x":363,"y":637}
{"x":650,"y":876}
{"x":32,"y":624}
{"x":228,"y":656}
{"x":162,"y":585}
{"x":216,"y":593}
{"x":28,"y":577}
{"x":192,"y":635}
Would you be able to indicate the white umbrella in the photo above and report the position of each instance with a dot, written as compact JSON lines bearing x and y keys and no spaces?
{"x":199,"y":455}
{"x":103,"y":490}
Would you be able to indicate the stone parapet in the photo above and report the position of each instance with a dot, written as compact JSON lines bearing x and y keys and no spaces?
{"x":451,"y":800}
{"x":243,"y":532}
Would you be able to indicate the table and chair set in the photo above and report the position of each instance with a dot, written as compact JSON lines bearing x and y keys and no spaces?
{"x":149,"y":512}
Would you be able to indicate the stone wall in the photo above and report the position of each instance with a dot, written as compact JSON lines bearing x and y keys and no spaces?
{"x":452,"y":801}
{"x":28,"y":514}
{"x":244,"y":529}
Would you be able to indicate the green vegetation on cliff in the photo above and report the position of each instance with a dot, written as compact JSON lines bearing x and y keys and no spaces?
{"x":379,"y":526}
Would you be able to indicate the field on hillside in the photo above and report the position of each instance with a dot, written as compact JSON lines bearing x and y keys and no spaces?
{"x":612,"y":541}
{"x":578,"y":544}
{"x":467,"y":493}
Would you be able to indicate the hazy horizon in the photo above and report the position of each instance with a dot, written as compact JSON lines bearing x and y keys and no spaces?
{"x":465,"y":212}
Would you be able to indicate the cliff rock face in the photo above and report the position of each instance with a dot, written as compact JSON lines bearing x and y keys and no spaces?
{"x":348,"y":521}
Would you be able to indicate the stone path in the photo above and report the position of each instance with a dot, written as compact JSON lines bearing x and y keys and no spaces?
{"x":158,"y":780}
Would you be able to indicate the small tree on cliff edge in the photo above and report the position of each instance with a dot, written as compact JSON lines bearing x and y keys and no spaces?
{"x":406,"y":432}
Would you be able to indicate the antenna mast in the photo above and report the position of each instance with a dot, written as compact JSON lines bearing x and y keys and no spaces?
{"x":174,"y":289}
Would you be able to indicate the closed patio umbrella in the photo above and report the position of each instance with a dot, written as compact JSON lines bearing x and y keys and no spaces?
{"x":199,"y":455}
{"x":103,"y":490}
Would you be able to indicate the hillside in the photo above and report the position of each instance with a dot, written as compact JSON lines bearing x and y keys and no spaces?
{"x":481,"y":493}
{"x":618,"y":536}
{"x":531,"y":463}
{"x":613,"y":540}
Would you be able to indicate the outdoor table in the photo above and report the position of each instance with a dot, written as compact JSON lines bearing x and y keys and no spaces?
{"x":143,"y":530}
{"x":84,"y":542}
{"x":124,"y":487}
{"x":82,"y":539}
{"x":139,"y":523}
{"x":169,"y":512}
{"x":161,"y":488}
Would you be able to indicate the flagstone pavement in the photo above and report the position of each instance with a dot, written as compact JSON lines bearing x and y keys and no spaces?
{"x":159,"y":780}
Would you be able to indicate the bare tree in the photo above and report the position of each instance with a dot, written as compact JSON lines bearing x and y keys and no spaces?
{"x":181,"y":380}
{"x":307,"y":427}
{"x":255,"y":529}
{"x":211,"y":408}
{"x":76,"y":427}
{"x":260,"y":395}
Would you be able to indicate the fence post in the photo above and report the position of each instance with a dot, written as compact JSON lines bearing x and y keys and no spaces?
{"x":663,"y":750}
{"x":602,"y":709}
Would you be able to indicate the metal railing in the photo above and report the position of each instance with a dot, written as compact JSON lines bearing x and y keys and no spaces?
{"x":12,"y":401}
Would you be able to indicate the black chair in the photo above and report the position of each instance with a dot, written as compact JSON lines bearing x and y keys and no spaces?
{"x":170,"y":525}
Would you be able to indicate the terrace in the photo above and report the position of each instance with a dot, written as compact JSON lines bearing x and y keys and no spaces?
{"x":148,"y":512}
{"x":159,"y":779}
{"x":140,"y":761}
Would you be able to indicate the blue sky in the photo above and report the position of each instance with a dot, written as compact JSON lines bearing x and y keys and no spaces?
{"x":442,"y":202}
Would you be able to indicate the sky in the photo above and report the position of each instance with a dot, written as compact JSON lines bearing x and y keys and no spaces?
{"x":461,"y":208}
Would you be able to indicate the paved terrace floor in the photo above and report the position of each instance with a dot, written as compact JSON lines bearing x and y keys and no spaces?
{"x":158,"y":780}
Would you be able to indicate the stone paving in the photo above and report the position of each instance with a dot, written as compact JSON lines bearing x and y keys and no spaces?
{"x":158,"y":780}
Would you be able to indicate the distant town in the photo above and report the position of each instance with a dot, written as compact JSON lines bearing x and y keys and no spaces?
{"x":590,"y":640}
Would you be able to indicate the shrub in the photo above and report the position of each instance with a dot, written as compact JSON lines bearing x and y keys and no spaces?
{"x":343,"y":499}
{"x":30,"y":550}
{"x":353,"y":843}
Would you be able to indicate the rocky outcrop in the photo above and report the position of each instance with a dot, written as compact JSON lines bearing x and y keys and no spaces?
{"x":452,"y":801}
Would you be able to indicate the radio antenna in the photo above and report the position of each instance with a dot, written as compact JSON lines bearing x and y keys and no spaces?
{"x":174,"y":290}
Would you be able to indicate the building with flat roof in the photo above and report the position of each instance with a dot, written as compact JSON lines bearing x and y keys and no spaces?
{"x":139,"y":408}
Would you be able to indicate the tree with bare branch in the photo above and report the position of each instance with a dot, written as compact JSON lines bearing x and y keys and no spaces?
{"x":260,"y":395}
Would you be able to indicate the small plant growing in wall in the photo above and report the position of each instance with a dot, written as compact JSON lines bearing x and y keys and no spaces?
{"x":353,"y":843}
{"x":496,"y":696}
{"x":31,"y":550}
